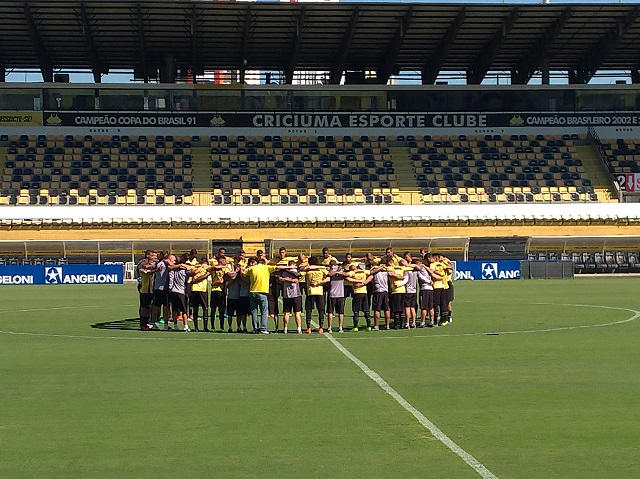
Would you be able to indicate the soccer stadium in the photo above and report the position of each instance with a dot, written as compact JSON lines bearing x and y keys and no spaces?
{"x":177,"y":175}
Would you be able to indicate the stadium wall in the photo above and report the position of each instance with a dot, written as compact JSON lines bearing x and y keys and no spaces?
{"x":254,"y":224}
{"x":608,"y":124}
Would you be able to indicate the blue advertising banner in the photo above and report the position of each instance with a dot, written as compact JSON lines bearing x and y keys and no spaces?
{"x":62,"y":274}
{"x":487,"y":270}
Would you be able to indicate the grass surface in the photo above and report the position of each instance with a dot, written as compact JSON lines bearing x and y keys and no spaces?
{"x":107,"y":401}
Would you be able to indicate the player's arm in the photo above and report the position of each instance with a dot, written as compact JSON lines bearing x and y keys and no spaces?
{"x":151,"y":267}
{"x":200,"y":277}
{"x":434,"y":275}
{"x":354,"y":280}
{"x":393,"y":274}
{"x":288,"y":279}
{"x":217,"y":267}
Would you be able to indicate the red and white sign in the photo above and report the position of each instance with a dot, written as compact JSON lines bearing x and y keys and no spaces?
{"x":629,"y":182}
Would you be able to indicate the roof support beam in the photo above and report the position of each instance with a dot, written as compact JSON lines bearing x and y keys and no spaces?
{"x":245,"y":43}
{"x":87,"y":34}
{"x":433,"y":64}
{"x":294,"y":47}
{"x":195,"y":59}
{"x":338,"y":66}
{"x":483,"y":63}
{"x":38,"y":45}
{"x":535,"y":57}
{"x":594,"y":58}
{"x":142,"y":48}
{"x":388,"y":67}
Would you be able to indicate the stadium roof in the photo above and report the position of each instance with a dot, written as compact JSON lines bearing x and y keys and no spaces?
{"x":386,"y":37}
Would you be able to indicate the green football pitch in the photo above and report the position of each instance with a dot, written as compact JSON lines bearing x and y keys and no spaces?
{"x":534,"y":379}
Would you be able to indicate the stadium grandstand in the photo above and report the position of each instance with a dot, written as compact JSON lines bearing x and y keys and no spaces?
{"x":352,"y":155}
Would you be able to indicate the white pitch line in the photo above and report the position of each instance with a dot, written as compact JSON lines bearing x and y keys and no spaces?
{"x":367,"y":337}
{"x":635,"y":316}
{"x":422,"y":419}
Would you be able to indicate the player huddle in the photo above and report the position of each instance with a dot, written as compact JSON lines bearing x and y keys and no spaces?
{"x":402,"y":292}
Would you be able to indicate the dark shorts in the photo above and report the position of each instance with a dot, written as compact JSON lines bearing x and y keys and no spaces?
{"x":317,"y":300}
{"x":146,"y":299}
{"x":160,"y":297}
{"x":217,"y":301}
{"x":197,"y":299}
{"x":396,"y":302}
{"x":410,"y":300}
{"x":232,"y":307}
{"x":336,"y":305}
{"x":360,"y":303}
{"x":290,"y":305}
{"x":450,"y":292}
{"x":276,"y":290}
{"x":178,"y":303}
{"x":439,"y":299}
{"x":348,"y":290}
{"x":273,"y":304}
{"x":244,"y":307}
{"x":381,"y":301}
{"x":426,"y":299}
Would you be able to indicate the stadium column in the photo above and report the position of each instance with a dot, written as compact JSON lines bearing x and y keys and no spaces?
{"x":2,"y":74}
{"x":168,"y":73}
{"x":545,"y":71}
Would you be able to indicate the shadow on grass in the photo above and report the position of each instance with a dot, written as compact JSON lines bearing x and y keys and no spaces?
{"x":122,"y":324}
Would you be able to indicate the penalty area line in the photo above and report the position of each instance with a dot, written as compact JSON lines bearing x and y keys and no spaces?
{"x":422,"y":419}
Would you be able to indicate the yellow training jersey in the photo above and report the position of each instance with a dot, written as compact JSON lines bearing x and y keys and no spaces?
{"x":200,"y":286}
{"x":316,"y":275}
{"x":258,"y":276}
{"x":397,"y":286}
{"x":439,"y":269}
{"x":360,"y":275}
{"x":217,"y":279}
{"x":326,"y":261}
{"x":302,"y":280}
{"x":242,"y":262}
{"x":396,"y":259}
{"x":146,"y":283}
{"x":282,"y":262}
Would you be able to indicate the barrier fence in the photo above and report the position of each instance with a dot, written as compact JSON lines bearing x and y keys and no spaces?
{"x":62,"y":274}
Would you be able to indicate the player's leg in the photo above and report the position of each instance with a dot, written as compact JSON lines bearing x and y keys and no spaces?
{"x":320,"y":306}
{"x":365,"y":311}
{"x":297,"y":310}
{"x":450,"y":300}
{"x":330,"y":307}
{"x":264,"y":309}
{"x":204,"y":304}
{"x":254,"y":305}
{"x":286,"y":310}
{"x":222,"y":308}
{"x":387,"y":311}
{"x":308,"y":307}
{"x":437,"y":295}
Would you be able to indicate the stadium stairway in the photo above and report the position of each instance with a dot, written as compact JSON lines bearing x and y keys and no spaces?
{"x":400,"y":156}
{"x":597,"y":173}
{"x":201,"y":170}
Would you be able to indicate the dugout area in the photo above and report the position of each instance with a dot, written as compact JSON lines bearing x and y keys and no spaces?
{"x":589,"y":254}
